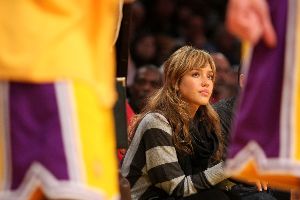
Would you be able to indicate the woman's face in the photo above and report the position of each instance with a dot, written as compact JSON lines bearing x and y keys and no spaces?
{"x":196,"y":86}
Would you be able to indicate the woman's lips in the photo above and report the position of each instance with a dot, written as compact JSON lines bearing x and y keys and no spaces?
{"x":204,"y":92}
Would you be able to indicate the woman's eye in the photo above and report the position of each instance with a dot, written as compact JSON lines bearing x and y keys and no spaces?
{"x":195,"y":75}
{"x":210,"y":77}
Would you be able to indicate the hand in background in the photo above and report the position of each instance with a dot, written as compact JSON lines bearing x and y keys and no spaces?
{"x":250,"y":20}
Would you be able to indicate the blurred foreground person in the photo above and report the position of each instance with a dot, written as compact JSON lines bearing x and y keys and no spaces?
{"x":56,"y":97}
{"x":265,"y":143}
{"x":225,"y":86}
{"x":248,"y":189}
{"x":147,"y":79}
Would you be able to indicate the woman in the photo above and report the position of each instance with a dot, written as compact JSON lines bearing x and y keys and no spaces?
{"x":177,"y":135}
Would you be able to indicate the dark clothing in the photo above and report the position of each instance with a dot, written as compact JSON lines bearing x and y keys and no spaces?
{"x":225,"y":109}
{"x":205,"y":143}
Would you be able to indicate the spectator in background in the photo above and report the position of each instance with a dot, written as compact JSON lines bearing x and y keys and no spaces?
{"x":138,"y":17}
{"x":147,"y":79}
{"x":195,"y":33}
{"x":229,"y":45}
{"x":226,"y":84}
{"x":165,"y":47}
{"x":191,"y":22}
{"x":184,"y":14}
{"x":129,"y":117}
{"x":144,"y":50}
{"x":161,"y":17}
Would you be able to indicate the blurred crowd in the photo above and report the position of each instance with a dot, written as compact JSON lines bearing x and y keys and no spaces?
{"x":159,"y":27}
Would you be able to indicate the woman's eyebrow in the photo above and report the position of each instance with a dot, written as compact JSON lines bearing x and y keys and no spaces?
{"x":202,"y":69}
{"x":196,"y":68}
{"x":209,"y":70}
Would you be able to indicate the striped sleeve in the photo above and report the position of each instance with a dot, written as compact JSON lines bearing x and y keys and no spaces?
{"x":216,"y":174}
{"x":165,"y":171}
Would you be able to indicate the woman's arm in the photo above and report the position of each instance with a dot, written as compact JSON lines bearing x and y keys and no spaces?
{"x":166,"y":173}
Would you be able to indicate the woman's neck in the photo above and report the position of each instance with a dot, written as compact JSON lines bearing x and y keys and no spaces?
{"x":192,"y":110}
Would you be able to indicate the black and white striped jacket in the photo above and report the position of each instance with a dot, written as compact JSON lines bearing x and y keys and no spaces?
{"x":151,"y":162}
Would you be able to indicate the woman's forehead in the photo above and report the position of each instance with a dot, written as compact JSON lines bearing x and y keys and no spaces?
{"x":206,"y":67}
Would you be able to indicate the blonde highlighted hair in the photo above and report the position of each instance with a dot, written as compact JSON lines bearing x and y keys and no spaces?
{"x":167,"y":100}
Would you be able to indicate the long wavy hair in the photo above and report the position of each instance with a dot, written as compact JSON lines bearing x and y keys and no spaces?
{"x":168,"y":102}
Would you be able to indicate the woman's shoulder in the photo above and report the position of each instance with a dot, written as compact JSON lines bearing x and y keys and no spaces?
{"x":155,"y":116}
{"x":155,"y":120}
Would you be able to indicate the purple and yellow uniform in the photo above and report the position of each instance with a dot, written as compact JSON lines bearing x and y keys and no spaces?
{"x":266,"y":133}
{"x":56,"y":97}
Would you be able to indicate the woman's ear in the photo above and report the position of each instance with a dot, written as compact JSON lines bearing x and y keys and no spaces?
{"x":176,"y":87}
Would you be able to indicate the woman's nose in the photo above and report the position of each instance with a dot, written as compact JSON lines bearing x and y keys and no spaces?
{"x":204,"y":83}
